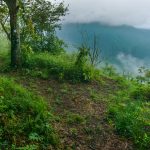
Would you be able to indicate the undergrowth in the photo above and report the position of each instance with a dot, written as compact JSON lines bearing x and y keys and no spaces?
{"x":130,"y":112}
{"x":24,"y":119}
{"x":61,"y":67}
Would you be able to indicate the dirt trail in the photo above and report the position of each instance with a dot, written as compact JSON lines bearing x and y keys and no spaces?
{"x":81,"y":108}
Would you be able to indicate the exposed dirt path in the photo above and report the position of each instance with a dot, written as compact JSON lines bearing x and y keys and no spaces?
{"x":81,"y":109}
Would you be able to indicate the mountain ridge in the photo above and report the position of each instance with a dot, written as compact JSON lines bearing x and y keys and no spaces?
{"x":113,"y":40}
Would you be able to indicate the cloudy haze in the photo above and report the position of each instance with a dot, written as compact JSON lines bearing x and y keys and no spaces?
{"x":114,"y":12}
{"x":130,"y":63}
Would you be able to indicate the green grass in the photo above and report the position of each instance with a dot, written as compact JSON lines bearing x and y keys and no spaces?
{"x":24,"y":118}
{"x":4,"y":52}
{"x":73,"y":118}
{"x":61,"y":67}
{"x":130,"y":112}
{"x":4,"y":43}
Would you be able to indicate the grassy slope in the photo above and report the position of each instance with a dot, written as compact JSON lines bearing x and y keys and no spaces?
{"x":81,"y":113}
{"x":24,"y":118}
{"x":91,"y":115}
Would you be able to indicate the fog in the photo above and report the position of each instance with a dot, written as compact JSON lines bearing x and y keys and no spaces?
{"x":113,"y":12}
{"x":130,"y":63}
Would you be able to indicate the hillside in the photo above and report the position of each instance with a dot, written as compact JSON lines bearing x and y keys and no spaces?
{"x":92,"y":95}
{"x":98,"y":114}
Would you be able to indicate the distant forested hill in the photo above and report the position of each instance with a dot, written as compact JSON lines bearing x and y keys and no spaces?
{"x":126,"y":47}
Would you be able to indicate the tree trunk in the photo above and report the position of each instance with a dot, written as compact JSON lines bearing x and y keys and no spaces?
{"x":15,"y":34}
{"x":15,"y":39}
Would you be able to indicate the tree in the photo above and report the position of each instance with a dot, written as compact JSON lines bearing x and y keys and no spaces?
{"x":13,"y":8}
{"x":38,"y":20}
{"x":39,"y":23}
{"x":91,"y":49}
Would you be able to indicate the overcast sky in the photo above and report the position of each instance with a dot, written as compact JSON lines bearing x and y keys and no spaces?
{"x":114,"y":12}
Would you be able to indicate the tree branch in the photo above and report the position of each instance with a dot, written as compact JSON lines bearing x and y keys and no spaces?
{"x":5,"y":30}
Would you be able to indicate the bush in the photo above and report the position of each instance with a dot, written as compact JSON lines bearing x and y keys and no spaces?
{"x":61,"y":67}
{"x":24,"y":118}
{"x":141,"y":93}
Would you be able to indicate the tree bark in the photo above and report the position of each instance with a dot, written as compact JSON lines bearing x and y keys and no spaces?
{"x":15,"y":34}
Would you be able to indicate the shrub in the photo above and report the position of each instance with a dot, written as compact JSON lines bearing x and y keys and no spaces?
{"x":61,"y":67}
{"x":82,"y":56}
{"x":141,"y":92}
